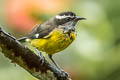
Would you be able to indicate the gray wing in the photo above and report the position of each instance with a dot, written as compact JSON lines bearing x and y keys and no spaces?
{"x":40,"y":31}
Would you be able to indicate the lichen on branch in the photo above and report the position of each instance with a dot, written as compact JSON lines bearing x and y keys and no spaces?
{"x":28,"y":60}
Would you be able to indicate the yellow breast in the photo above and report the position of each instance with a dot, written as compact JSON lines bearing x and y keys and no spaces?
{"x":55,"y":42}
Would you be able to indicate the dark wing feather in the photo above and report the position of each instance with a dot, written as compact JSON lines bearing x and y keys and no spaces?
{"x":42,"y":30}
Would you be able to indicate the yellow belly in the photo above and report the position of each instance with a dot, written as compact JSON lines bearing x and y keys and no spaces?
{"x":55,"y":42}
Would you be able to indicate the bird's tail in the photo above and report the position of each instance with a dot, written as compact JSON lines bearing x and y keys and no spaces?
{"x":23,"y":39}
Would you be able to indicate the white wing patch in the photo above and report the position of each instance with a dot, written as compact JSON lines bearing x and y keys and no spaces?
{"x":27,"y":40}
{"x":36,"y":35}
{"x":64,"y":16}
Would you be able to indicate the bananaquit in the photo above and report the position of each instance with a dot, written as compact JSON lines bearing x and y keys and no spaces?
{"x":54,"y":35}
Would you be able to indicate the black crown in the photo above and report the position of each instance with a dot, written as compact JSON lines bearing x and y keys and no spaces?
{"x":67,"y":13}
{"x":69,"y":17}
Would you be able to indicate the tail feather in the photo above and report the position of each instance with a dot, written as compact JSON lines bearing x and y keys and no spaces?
{"x":23,"y":39}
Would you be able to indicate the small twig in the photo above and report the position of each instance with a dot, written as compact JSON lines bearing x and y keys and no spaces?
{"x":27,"y":59}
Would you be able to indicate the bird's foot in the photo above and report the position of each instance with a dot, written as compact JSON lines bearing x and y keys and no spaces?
{"x":63,"y":75}
{"x":42,"y":58}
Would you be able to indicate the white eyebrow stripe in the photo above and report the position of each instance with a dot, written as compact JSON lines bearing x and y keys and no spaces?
{"x":61,"y":17}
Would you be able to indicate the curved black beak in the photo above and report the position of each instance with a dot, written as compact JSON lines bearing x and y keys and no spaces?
{"x":80,"y":18}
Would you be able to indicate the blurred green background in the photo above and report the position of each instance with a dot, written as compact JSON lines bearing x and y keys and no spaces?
{"x":94,"y":55}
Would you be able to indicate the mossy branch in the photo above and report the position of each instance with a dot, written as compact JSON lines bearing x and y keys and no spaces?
{"x":28,"y":60}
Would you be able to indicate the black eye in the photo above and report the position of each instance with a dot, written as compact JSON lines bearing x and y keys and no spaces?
{"x":68,"y":18}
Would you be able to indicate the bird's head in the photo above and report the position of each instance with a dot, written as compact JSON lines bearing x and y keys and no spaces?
{"x":67,"y":20}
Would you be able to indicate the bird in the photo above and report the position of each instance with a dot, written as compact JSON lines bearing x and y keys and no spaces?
{"x":54,"y":35}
